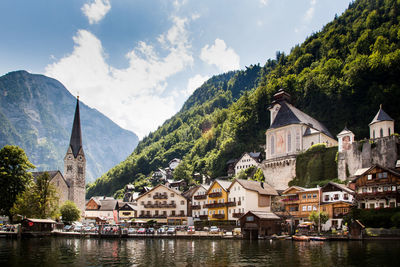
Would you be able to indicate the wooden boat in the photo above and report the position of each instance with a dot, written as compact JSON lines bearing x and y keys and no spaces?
{"x":318,"y":238}
{"x":300,"y":238}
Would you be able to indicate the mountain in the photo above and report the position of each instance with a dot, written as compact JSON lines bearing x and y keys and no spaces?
{"x":36,"y":113}
{"x":339,"y":76}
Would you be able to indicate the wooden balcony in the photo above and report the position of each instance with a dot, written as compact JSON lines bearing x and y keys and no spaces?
{"x":214,"y":205}
{"x":373,"y":195}
{"x":177,"y":215}
{"x":215,"y":194}
{"x":160,"y":216}
{"x":200,"y":196}
{"x":218,"y":216}
{"x":230,"y":204}
{"x":159,"y":206}
{"x":237,"y":215}
{"x":196,"y":207}
{"x":160,"y":196}
{"x":290,"y":200}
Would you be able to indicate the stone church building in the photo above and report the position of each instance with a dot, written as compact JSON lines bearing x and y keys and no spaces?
{"x":291,"y":132}
{"x":71,"y":185}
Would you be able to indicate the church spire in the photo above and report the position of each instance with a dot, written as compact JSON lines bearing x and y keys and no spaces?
{"x":76,"y":134}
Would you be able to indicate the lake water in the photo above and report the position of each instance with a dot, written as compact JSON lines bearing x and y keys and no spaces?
{"x":53,"y":251}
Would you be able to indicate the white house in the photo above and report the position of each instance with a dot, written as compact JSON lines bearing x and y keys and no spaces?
{"x":199,"y":200}
{"x":162,"y":204}
{"x":333,"y":192}
{"x":247,"y":196}
{"x":247,"y":160}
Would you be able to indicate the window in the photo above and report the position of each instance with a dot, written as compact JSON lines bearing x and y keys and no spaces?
{"x":393,"y":188}
{"x":304,"y":208}
{"x":373,"y":134}
{"x":336,"y":196}
{"x":381,"y":205}
{"x":326,"y":198}
{"x":369,"y":177}
{"x":148,"y":195}
{"x":314,"y":208}
{"x":289,"y":141}
{"x":381,"y":132}
{"x":389,"y":131}
{"x":308,"y":195}
{"x":182,"y":202}
{"x":172,"y":194}
{"x":182,"y":212}
{"x":309,"y":208}
{"x":298,"y":140}
{"x":142,"y":202}
{"x":372,"y":206}
{"x":392,"y":204}
{"x":364,"y":190}
{"x":164,"y":212}
{"x":384,"y":175}
{"x":346,"y":196}
{"x":314,"y":196}
{"x":304,"y":196}
{"x":385,"y":188}
{"x":272,"y":145}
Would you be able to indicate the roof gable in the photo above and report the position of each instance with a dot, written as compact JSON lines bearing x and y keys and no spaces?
{"x":381,"y":116}
{"x":260,"y":187}
{"x":161,"y":185}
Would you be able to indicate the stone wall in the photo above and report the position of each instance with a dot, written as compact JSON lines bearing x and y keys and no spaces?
{"x":363,"y":154}
{"x":279,"y":172}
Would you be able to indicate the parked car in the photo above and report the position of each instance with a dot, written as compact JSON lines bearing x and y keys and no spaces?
{"x":150,"y":231}
{"x":191,"y":230}
{"x":171,"y":230}
{"x":237,"y":231}
{"x":161,"y":231}
{"x":94,"y":229}
{"x":141,"y":231}
{"x":68,"y":228}
{"x":132,"y":230}
{"x":77,"y":228}
{"x":214,"y":230}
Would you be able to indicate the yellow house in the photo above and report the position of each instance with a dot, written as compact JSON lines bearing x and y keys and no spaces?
{"x":217,"y":200}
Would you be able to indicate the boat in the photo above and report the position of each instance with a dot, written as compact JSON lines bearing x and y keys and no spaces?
{"x":318,"y":238}
{"x":301,"y":238}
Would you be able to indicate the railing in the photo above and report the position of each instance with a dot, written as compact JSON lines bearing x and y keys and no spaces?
{"x":290,"y":200}
{"x":196,"y":207}
{"x":214,"y":205}
{"x":200,"y":196}
{"x":218,"y":216}
{"x":237,"y":215}
{"x":215,"y":194}
{"x":376,"y":194}
{"x":160,"y":196}
{"x":152,"y":206}
{"x":230,"y":204}
{"x":177,"y":215}
{"x":160,"y":216}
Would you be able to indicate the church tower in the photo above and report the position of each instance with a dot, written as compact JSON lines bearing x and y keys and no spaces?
{"x":75,"y":164}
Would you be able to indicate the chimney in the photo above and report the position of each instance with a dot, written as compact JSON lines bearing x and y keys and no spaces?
{"x":262,"y":184}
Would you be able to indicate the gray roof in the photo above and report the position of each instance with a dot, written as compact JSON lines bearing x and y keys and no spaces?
{"x":381,"y":116}
{"x":108,"y":204}
{"x":340,"y":186}
{"x":51,"y":173}
{"x":288,"y":114}
{"x":260,"y":187}
{"x":264,"y":215}
{"x":76,"y":134}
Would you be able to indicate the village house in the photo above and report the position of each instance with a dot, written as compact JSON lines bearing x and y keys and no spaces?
{"x":126,"y":211}
{"x":247,"y":195}
{"x":247,"y":160}
{"x":102,"y":209}
{"x":217,"y":200}
{"x":299,"y":202}
{"x":336,"y":201}
{"x":198,"y":201}
{"x":163,"y":205}
{"x":377,"y":187}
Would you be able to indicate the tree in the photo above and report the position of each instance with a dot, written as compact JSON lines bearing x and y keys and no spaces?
{"x":70,"y":212}
{"x":14,"y":176}
{"x":318,"y":218}
{"x":39,"y":200}
{"x":259,"y":176}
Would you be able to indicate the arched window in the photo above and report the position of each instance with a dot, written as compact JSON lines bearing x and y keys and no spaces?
{"x":289,"y":142}
{"x":272,"y":145}
{"x":389,"y":131}
{"x":298,"y":140}
{"x":373,"y":134}
{"x":381,"y":132}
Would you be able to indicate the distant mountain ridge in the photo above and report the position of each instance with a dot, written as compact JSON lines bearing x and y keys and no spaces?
{"x":36,"y":113}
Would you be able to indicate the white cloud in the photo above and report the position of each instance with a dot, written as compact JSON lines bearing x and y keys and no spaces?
{"x":134,"y":97}
{"x":96,"y":10}
{"x":264,"y":2}
{"x":310,"y":11}
{"x":220,"y":55}
{"x":194,"y":83}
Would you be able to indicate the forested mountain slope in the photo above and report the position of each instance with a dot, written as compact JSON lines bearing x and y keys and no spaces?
{"x":339,"y":76}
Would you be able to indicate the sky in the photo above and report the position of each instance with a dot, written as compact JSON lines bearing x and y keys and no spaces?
{"x":137,"y":61}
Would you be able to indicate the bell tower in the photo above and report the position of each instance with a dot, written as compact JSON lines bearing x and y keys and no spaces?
{"x":75,"y":164}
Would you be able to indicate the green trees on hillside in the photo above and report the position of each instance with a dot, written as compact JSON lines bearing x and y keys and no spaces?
{"x":339,"y":76}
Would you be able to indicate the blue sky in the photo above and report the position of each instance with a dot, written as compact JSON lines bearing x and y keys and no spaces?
{"x":137,"y":61}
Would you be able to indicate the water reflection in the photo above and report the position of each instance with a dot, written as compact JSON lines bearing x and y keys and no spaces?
{"x":179,"y":252}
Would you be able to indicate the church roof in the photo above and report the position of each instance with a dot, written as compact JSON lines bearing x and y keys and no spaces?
{"x":76,"y":134}
{"x":381,"y":116}
{"x":288,"y":114}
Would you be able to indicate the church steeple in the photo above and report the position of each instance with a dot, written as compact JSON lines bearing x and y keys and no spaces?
{"x":76,"y":134}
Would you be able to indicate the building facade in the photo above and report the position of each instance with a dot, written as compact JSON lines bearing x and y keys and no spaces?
{"x":162,"y":204}
{"x":291,"y":132}
{"x":247,"y":160}
{"x":247,"y":195}
{"x":217,"y":200}
{"x":198,"y":203}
